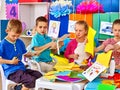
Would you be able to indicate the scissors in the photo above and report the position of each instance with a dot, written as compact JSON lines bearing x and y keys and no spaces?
{"x":18,"y":55}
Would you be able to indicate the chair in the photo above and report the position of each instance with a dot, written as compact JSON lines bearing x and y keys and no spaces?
{"x":5,"y":81}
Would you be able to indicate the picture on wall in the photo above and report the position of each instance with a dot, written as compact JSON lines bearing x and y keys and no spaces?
{"x":106,"y":28}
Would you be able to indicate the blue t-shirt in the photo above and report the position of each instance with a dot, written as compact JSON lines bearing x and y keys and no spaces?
{"x":40,"y":40}
{"x":9,"y":50}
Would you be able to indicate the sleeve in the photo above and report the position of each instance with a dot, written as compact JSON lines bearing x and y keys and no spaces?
{"x":1,"y":49}
{"x":23,"y":47}
{"x":106,"y":42}
{"x":68,"y":49}
{"x":34,"y":42}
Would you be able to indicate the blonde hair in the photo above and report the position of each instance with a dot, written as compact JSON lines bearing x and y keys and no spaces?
{"x":81,"y":22}
{"x":15,"y":25}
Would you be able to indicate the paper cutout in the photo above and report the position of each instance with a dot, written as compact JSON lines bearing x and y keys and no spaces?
{"x":102,"y":62}
{"x":75,"y":74}
{"x":11,"y":1}
{"x":93,"y":71}
{"x":89,"y":47}
{"x":54,"y":27}
{"x":11,"y":11}
{"x":71,"y":26}
{"x":68,"y":79}
{"x":104,"y":58}
{"x":106,"y":28}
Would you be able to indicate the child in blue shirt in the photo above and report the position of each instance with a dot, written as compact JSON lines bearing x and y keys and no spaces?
{"x":11,"y":51}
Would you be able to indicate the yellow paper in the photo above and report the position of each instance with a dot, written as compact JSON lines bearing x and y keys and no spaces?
{"x":60,"y":60}
{"x":90,"y":41}
{"x":104,"y":58}
{"x":111,"y":82}
{"x":63,"y":67}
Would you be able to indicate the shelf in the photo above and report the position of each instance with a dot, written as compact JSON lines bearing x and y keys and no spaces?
{"x":29,"y":11}
{"x":25,"y":36}
{"x":32,"y":3}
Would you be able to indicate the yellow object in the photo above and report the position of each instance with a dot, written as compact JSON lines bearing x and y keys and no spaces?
{"x":104,"y":58}
{"x":50,"y":75}
{"x":89,"y":47}
{"x":111,"y":82}
{"x":63,"y":67}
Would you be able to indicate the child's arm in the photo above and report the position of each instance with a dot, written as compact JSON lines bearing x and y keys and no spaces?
{"x":74,"y":56}
{"x":99,"y":48}
{"x":44,"y":47}
{"x":13,"y":61}
{"x":117,"y":46}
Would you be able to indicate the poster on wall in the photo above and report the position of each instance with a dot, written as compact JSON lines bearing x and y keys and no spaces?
{"x":54,"y":27}
{"x":106,"y":28}
{"x":71,"y":26}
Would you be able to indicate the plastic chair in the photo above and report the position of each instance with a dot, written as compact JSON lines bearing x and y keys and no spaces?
{"x":5,"y":81}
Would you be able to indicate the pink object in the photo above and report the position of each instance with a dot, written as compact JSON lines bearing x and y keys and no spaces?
{"x":89,"y":6}
{"x":68,"y":79}
{"x":11,"y":11}
{"x":23,"y":26}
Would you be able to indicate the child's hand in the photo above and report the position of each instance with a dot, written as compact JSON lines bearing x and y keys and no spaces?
{"x":36,"y":53}
{"x":14,"y":60}
{"x":108,"y":47}
{"x":117,"y":67}
{"x":53,"y":45}
{"x":75,"y":56}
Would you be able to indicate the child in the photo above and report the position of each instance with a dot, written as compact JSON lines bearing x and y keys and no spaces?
{"x":75,"y":49}
{"x":112,"y":44}
{"x":43,"y":43}
{"x":11,"y":51}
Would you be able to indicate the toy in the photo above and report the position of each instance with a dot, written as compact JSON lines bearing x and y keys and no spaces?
{"x":29,"y":32}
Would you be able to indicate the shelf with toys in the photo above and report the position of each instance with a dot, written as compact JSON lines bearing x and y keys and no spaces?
{"x":28,"y":12}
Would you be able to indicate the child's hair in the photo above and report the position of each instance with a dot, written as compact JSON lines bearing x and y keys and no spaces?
{"x":41,"y":19}
{"x":15,"y":25}
{"x":117,"y":21}
{"x":83,"y":23}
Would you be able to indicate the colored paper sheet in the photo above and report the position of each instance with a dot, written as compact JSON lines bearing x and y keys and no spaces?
{"x":90,"y":43}
{"x":104,"y":58}
{"x":68,"y":79}
{"x":87,"y":17}
{"x":106,"y":87}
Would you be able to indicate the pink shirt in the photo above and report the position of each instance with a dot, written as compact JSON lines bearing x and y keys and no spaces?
{"x":70,"y":49}
{"x":72,"y":45}
{"x":115,"y":53}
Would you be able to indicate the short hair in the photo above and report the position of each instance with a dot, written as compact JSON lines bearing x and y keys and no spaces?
{"x":117,"y":21}
{"x":15,"y":25}
{"x":81,"y":22}
{"x":41,"y":19}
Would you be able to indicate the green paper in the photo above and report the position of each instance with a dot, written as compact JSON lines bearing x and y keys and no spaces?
{"x":106,"y":87}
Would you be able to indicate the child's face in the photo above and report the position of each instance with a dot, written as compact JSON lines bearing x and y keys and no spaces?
{"x":116,"y":30}
{"x":12,"y":36}
{"x":42,"y":27}
{"x":80,"y":31}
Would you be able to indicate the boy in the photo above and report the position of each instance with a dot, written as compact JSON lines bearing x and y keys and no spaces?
{"x":11,"y":51}
{"x":43,"y":43}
